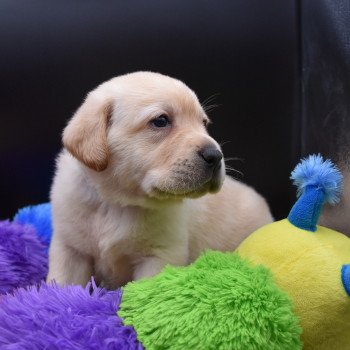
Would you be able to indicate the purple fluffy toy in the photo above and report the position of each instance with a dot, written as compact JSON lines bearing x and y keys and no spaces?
{"x":23,"y":256}
{"x":34,"y":315}
{"x":51,"y":317}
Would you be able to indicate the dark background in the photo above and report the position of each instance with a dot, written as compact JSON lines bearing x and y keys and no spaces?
{"x":250,"y":53}
{"x":325,"y":51}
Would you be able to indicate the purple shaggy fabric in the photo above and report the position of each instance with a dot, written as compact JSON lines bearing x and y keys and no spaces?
{"x":23,"y":257}
{"x":72,"y":317}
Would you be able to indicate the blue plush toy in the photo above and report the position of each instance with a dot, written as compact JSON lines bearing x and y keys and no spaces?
{"x":38,"y":216}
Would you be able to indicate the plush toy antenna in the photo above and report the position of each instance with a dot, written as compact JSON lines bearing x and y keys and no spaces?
{"x":318,"y":182}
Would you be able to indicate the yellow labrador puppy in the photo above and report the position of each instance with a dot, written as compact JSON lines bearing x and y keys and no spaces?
{"x":141,"y":184}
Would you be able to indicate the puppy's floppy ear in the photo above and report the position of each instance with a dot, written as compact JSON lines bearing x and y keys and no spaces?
{"x":85,"y":136}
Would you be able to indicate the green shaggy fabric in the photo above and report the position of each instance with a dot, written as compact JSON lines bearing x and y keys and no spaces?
{"x":219,"y":302}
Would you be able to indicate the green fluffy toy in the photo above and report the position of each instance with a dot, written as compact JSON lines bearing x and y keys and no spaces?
{"x":219,"y":302}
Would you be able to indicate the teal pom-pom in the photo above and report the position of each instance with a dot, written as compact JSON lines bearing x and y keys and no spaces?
{"x":314,"y":171}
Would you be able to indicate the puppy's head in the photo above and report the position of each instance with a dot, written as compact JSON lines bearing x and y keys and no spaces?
{"x":143,"y":135}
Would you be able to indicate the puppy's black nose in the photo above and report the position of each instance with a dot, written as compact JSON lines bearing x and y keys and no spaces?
{"x":211,"y":155}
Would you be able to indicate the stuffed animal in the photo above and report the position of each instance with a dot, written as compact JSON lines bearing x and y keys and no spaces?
{"x":311,"y":263}
{"x":23,"y":247}
{"x":222,"y":301}
{"x":23,"y":257}
{"x":38,"y":216}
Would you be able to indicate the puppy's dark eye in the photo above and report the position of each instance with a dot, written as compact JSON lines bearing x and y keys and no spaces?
{"x":160,"y":122}
{"x":205,"y":123}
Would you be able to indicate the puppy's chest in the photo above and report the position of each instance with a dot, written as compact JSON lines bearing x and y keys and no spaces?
{"x":123,"y":241}
{"x":131,"y":233}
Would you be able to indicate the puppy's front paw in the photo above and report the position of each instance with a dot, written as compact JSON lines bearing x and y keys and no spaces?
{"x":149,"y":267}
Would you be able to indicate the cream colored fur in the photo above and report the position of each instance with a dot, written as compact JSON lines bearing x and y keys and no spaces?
{"x":129,"y":198}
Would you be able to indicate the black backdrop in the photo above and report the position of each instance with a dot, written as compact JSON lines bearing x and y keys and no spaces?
{"x":326,"y":78}
{"x":245,"y":51}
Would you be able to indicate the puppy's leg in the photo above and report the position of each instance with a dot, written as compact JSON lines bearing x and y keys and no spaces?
{"x":152,"y":265}
{"x":149,"y":267}
{"x":68,"y":266}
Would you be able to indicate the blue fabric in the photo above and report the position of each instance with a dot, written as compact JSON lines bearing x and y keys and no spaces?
{"x":345,"y":277}
{"x":38,"y":216}
{"x":307,"y":210}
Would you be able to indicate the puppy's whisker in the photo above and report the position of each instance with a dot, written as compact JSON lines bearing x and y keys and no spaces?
{"x":234,"y":170}
{"x":234,"y":158}
{"x":209,"y":108}
{"x":224,"y":143}
{"x":209,"y":99}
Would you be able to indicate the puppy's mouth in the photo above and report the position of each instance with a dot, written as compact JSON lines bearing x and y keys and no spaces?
{"x":179,"y":187}
{"x":178,"y":194}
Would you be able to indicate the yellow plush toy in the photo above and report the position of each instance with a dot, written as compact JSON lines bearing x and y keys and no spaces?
{"x":311,"y":263}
